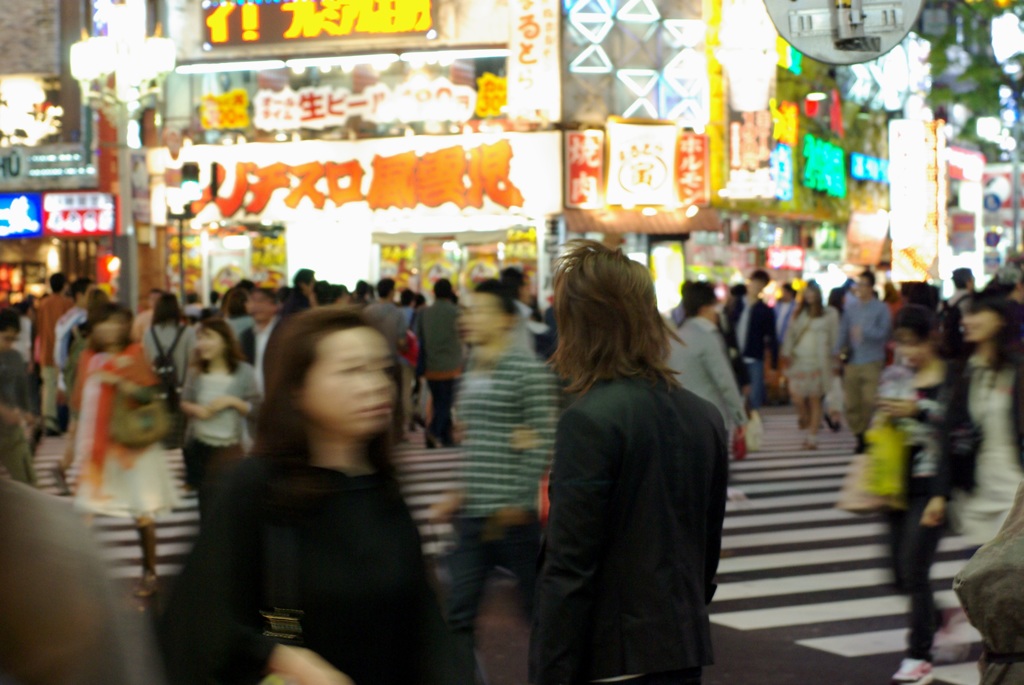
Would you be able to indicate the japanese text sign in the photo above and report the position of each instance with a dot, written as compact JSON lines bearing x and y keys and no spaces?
{"x":750,"y":148}
{"x":478,"y":174}
{"x":253,"y":22}
{"x":21,"y":215}
{"x":492,"y":95}
{"x":782,"y":172}
{"x":225,"y":112}
{"x":584,"y":163}
{"x":917,"y":197}
{"x":824,"y":167}
{"x":786,"y":118}
{"x":693,"y":177}
{"x":790,"y":258}
{"x":78,"y":215}
{"x":867,"y":168}
{"x":641,"y":163}
{"x":534,"y":69}
{"x":326,"y":107}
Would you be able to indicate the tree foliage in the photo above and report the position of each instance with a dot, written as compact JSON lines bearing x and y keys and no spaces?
{"x":964,"y":66}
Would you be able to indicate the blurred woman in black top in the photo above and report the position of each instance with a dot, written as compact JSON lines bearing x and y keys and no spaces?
{"x":321,"y":474}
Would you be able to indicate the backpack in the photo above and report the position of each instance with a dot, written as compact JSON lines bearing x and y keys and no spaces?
{"x":951,"y":319}
{"x":165,"y":368}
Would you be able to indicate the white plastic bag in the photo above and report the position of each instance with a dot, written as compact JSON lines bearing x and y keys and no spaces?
{"x":835,"y":401}
{"x":754,"y":432}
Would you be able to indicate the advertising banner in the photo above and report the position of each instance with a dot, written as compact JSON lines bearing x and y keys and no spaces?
{"x":865,"y":237}
{"x":389,"y":178}
{"x":918,"y":193}
{"x":584,"y":160}
{"x":324,"y":107}
{"x":693,"y":178}
{"x":79,"y":215}
{"x":534,"y":68}
{"x":255,"y":22}
{"x":641,"y":163}
{"x":21,"y":215}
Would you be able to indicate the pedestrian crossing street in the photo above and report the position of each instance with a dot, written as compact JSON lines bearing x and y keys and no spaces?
{"x":819,"y":577}
{"x":792,"y":564}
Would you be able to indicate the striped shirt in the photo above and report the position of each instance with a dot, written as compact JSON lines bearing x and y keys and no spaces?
{"x":519,"y":392}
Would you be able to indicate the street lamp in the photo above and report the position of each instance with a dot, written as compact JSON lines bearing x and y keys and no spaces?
{"x":117,"y":73}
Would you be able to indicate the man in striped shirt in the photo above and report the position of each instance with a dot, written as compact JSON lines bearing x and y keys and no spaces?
{"x":506,"y":411}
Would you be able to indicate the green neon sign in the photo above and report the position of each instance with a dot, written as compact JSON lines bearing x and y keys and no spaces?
{"x":824,"y":167}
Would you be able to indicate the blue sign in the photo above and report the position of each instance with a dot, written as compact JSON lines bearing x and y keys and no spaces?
{"x":864,"y":168}
{"x":993,"y":202}
{"x":992,"y":239}
{"x":782,"y":171}
{"x":21,"y":215}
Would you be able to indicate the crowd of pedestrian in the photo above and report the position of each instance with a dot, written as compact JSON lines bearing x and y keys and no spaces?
{"x":288,"y":405}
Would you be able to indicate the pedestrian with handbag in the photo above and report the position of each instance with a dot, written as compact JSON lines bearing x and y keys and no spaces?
{"x":169,"y":343}
{"x":983,"y":461}
{"x":219,"y":394}
{"x":121,"y":420}
{"x":915,"y":530}
{"x":807,"y":354}
{"x":311,"y":568}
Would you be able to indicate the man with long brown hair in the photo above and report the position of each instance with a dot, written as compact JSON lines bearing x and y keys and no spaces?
{"x":638,"y":491}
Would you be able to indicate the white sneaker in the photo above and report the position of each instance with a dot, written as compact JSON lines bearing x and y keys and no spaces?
{"x":914,"y":672}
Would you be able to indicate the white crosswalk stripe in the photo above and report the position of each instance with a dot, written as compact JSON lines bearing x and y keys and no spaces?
{"x":793,"y":563}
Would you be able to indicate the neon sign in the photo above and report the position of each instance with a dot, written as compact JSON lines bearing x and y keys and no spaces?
{"x":786,"y":116}
{"x":865,"y":168}
{"x":782,"y":172}
{"x":21,"y":215}
{"x":249,"y":22}
{"x":824,"y":167}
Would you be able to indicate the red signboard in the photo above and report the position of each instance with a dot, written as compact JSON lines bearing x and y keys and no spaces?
{"x":584,"y":152}
{"x":789,"y":258}
{"x":79,"y":215}
{"x":693,"y":179}
{"x":965,"y":165}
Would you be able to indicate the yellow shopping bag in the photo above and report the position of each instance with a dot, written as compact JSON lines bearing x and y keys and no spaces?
{"x":888,"y":454}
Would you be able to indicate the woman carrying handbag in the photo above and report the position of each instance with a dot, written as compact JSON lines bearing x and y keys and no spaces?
{"x":121,"y":421}
{"x":310,"y":568}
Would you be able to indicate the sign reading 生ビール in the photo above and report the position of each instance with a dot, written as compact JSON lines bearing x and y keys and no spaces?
{"x":326,"y":107}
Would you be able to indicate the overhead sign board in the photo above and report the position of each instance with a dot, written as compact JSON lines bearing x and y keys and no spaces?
{"x":46,"y":167}
{"x":78,"y":215}
{"x":21,"y":215}
{"x":844,"y":31}
{"x":254,"y":22}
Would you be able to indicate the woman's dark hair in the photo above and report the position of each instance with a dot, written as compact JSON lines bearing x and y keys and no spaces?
{"x":167,"y":310}
{"x":506,"y":296}
{"x":1007,"y":340}
{"x":608,"y":321}
{"x":283,"y":436}
{"x":837,"y":299}
{"x":234,"y":303}
{"x":443,"y":289}
{"x":232,"y":350}
{"x":816,"y":310}
{"x":98,"y":300}
{"x":103,"y":312}
{"x":919,"y":321}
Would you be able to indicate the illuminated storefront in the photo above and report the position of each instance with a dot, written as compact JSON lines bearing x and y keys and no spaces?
{"x":414,"y":208}
{"x":410,"y":139}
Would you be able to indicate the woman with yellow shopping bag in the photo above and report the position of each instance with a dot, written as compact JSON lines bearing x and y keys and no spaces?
{"x":905,"y":451}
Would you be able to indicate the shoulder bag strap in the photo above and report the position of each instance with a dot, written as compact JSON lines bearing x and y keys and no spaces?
{"x":281,"y":614}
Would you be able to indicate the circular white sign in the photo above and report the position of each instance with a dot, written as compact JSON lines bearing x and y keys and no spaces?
{"x":844,"y":31}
